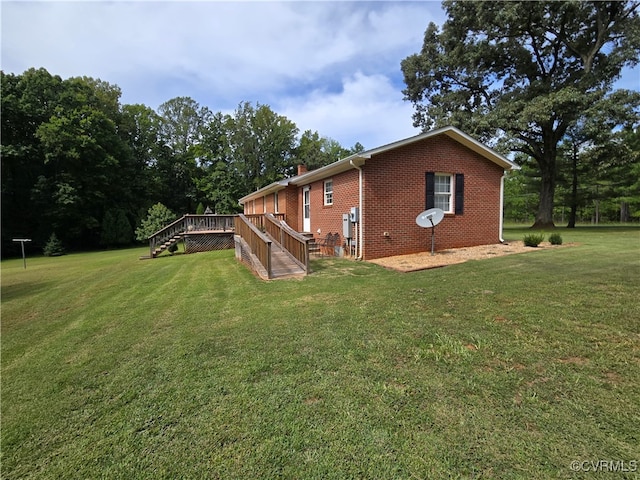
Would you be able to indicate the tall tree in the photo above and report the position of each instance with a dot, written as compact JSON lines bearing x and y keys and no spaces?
{"x":83,"y":154}
{"x":221,"y":184}
{"x":592,"y":151}
{"x":315,"y":151}
{"x":182,"y":121}
{"x":27,"y":101}
{"x":629,"y":189}
{"x":524,"y":71}
{"x":181,"y":124}
{"x":140,"y":129}
{"x":261,"y":145}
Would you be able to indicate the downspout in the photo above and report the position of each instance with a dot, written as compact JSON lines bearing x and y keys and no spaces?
{"x":360,"y":242}
{"x":504,"y":174}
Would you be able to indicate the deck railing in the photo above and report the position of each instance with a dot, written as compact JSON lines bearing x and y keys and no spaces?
{"x":258,"y":242}
{"x":191,"y":223}
{"x":214,"y":223}
{"x":293,"y":242}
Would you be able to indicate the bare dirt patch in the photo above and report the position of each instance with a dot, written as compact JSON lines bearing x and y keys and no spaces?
{"x":424,"y":260}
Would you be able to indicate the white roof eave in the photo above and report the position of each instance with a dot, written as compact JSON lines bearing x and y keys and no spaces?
{"x":359,"y":159}
{"x":334,"y":168}
{"x":271,"y":188}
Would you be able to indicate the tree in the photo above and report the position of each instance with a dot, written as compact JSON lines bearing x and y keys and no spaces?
{"x":158,"y":217}
{"x":27,"y":100}
{"x":520,"y":187}
{"x":140,"y":129}
{"x":182,"y":121}
{"x":522,"y":71}
{"x":181,"y":124}
{"x":84,"y":153}
{"x":593,"y":154}
{"x":116,"y":230}
{"x":315,"y":151}
{"x":221,"y":183}
{"x":629,"y":189}
{"x":261,"y":145}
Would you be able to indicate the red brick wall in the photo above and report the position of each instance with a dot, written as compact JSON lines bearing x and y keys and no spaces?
{"x":288,"y":204}
{"x":395,"y":193}
{"x":328,"y":218}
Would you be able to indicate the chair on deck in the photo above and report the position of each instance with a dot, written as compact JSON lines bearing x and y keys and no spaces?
{"x":328,"y":243}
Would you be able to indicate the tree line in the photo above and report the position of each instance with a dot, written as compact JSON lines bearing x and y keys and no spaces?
{"x":532,"y":79}
{"x":79,"y":164}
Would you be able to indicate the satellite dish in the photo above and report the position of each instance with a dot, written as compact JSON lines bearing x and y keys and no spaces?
{"x":430,"y":218}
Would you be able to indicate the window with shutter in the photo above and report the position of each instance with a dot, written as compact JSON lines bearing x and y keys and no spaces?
{"x":459,"y":203}
{"x":445,"y":191}
{"x":430,"y":180}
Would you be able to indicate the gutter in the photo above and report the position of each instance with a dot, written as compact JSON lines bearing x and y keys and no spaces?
{"x":360,"y":239}
{"x":501,"y":209}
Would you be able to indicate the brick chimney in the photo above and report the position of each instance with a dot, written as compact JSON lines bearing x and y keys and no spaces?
{"x":302,"y":169}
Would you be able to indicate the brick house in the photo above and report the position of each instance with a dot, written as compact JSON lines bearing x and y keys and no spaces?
{"x":387,"y":187}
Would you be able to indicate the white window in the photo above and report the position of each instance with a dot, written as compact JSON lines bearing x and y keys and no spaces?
{"x":442,"y":192}
{"x":275,"y":202}
{"x":328,"y":192}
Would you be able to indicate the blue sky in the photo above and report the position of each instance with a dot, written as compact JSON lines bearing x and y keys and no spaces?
{"x":331,"y":67}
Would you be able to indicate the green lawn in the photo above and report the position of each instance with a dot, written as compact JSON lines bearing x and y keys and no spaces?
{"x":190,"y":367}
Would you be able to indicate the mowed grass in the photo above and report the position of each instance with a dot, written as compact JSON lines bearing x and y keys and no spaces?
{"x":190,"y":367}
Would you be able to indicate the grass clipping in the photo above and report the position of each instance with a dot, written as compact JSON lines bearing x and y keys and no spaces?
{"x":424,"y":260}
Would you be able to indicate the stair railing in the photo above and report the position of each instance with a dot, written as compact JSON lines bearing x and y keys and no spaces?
{"x":166,"y":233}
{"x":258,"y":242}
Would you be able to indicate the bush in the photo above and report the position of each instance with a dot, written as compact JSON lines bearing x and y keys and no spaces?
{"x":555,"y":239}
{"x":158,"y":217}
{"x":116,"y":229}
{"x":53,"y":247}
{"x":533,"y":239}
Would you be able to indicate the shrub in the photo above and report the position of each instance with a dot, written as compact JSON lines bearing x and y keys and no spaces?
{"x":555,"y":239}
{"x":116,"y":229}
{"x":53,"y":247}
{"x":533,"y":239}
{"x":158,"y":217}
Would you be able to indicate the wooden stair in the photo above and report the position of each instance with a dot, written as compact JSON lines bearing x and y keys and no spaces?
{"x":171,"y":241}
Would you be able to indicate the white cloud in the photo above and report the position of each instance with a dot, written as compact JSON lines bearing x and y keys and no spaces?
{"x":368,"y":109}
{"x":333,"y":66}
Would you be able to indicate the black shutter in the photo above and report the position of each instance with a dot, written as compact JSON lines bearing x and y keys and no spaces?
{"x":459,"y":193}
{"x":430,"y":178}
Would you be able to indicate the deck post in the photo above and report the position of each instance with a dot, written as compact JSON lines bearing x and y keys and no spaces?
{"x":269,"y":273}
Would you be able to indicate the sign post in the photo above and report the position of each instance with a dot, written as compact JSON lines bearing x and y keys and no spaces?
{"x":22,"y":241}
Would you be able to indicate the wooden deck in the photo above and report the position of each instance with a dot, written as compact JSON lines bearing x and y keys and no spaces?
{"x":265,"y":255}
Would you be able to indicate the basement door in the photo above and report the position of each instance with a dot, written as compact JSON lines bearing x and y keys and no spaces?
{"x":306,"y":209}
